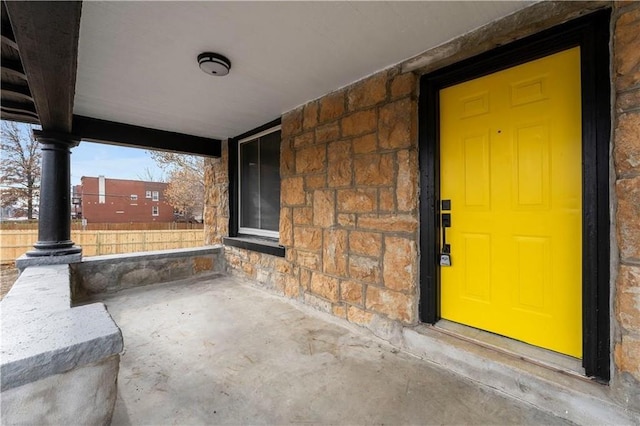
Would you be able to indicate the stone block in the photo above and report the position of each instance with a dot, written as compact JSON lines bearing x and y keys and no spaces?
{"x":396,"y":128}
{"x":628,"y":100}
{"x":302,"y":215}
{"x":310,"y":115}
{"x":347,"y":220}
{"x":311,"y":159}
{"x":305,"y":139}
{"x":334,"y":252}
{"x":332,"y":106}
{"x":292,"y":123}
{"x":340,"y":168}
{"x":359,"y":123}
{"x":365,"y":144}
{"x":282,"y":265}
{"x":367,"y":93}
{"x":249,"y":270}
{"x":324,"y":208}
{"x":201,"y":264}
{"x":305,"y":278}
{"x":407,"y":181}
{"x":364,"y":269}
{"x":324,"y":286}
{"x":351,"y":292}
{"x":626,"y":52}
{"x":400,"y":264}
{"x":286,"y":227}
{"x":307,"y":238}
{"x":386,"y":200}
{"x":365,"y":243}
{"x":374,"y":169}
{"x":403,"y":85}
{"x":328,"y":132}
{"x":292,"y":287}
{"x":309,"y":260}
{"x":395,"y":305}
{"x":357,"y":200}
{"x":292,"y":191}
{"x":358,"y":316}
{"x":340,"y":311}
{"x":627,"y":355}
{"x":388,"y":223}
{"x":627,"y":144}
{"x":312,"y":182}
{"x":628,"y":297}
{"x":628,"y":192}
{"x":287,"y":159}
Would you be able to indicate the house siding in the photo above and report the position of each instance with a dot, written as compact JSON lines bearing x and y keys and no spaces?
{"x":118,"y":199}
{"x":349,"y":205}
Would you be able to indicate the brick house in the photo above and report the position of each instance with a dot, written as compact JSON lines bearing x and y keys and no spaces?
{"x":104,"y":200}
{"x":483,"y":181}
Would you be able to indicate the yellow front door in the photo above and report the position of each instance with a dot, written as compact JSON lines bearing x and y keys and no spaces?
{"x":510,"y":164}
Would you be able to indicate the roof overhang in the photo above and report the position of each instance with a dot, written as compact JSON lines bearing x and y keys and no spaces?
{"x":131,"y":67}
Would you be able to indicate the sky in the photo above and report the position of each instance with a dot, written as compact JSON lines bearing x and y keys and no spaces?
{"x":115,"y":162}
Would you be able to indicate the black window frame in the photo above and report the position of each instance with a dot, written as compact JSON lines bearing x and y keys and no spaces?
{"x":269,"y":245}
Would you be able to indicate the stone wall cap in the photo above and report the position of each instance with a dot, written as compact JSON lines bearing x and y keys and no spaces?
{"x":43,"y":335}
{"x":157,"y":254}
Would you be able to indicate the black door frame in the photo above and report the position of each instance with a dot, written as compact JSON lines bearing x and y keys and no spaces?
{"x":591,"y":33}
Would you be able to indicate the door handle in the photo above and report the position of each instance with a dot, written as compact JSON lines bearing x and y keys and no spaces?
{"x":445,"y":222}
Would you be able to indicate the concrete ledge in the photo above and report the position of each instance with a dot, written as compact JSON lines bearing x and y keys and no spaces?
{"x":570,"y":397}
{"x":111,"y":273}
{"x":24,"y":261}
{"x":42,"y":335}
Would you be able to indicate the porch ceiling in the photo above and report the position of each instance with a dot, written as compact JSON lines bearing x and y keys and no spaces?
{"x":137,"y":60}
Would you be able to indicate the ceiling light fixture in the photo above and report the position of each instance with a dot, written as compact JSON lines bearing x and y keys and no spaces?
{"x":214,"y":64}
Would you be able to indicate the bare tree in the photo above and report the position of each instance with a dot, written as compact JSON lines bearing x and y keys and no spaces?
{"x":148,"y":175}
{"x":19,"y":168}
{"x":185,"y":176}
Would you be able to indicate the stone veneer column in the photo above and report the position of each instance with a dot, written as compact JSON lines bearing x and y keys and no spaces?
{"x":54,"y":224}
{"x":626,"y":153}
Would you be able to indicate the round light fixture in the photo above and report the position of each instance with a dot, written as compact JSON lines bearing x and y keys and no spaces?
{"x":214,"y":64}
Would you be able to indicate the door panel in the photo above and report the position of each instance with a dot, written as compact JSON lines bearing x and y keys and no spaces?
{"x":510,"y":161}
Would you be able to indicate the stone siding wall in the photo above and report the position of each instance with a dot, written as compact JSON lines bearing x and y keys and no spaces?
{"x":626,"y":158}
{"x":349,"y":213}
{"x":216,"y":205}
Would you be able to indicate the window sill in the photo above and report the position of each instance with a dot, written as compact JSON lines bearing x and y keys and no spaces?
{"x":259,"y":244}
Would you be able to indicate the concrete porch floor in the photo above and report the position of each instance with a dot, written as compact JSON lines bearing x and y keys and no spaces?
{"x":219,"y":351}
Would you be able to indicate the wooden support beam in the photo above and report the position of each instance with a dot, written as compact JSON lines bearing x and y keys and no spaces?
{"x":14,"y":68}
{"x":109,"y":132}
{"x":20,"y":117}
{"x":21,"y":92}
{"x":47,"y":36}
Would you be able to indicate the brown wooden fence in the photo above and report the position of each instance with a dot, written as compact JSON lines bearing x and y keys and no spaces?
{"x":132,"y":226}
{"x":15,"y":243}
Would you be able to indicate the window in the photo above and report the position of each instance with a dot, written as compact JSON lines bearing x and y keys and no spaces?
{"x":147,"y":194}
{"x":156,"y":196}
{"x":259,"y":184}
{"x":155,"y":211}
{"x":134,"y":197}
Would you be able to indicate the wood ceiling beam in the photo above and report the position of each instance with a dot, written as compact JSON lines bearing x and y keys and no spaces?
{"x":7,"y":37}
{"x":47,"y":36}
{"x":21,"y":92}
{"x":14,"y":116}
{"x":14,"y":68}
{"x":109,"y":132}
